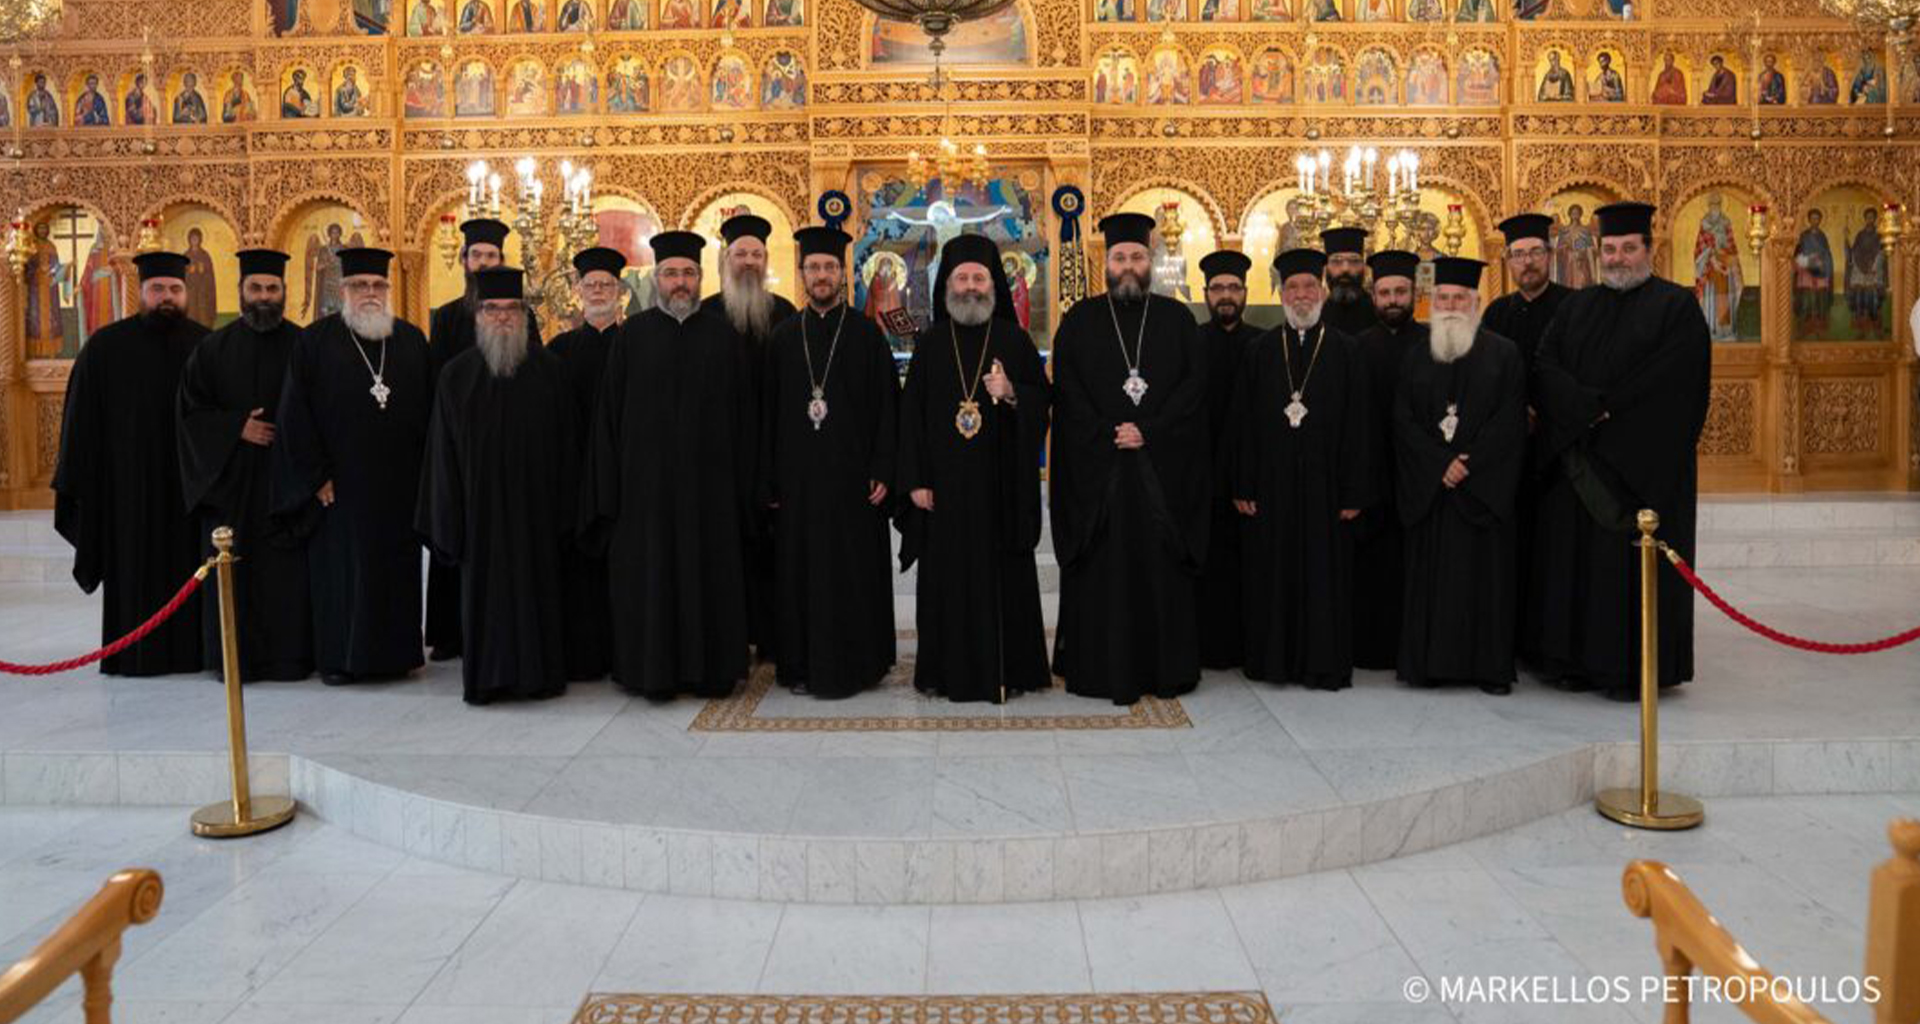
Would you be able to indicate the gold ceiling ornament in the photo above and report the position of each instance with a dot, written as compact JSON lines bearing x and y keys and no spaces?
{"x":935,"y":17}
{"x":22,"y":18}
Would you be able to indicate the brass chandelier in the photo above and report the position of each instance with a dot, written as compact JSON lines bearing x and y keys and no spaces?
{"x":935,"y":17}
{"x":22,"y":18}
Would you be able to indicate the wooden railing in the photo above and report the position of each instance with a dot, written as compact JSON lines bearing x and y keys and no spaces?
{"x":1688,"y":938}
{"x":88,"y":945}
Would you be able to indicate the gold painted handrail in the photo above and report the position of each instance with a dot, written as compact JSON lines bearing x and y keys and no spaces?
{"x":88,"y":945}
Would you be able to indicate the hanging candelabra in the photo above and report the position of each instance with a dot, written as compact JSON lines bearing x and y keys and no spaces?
{"x":546,"y":258}
{"x":1360,"y":200}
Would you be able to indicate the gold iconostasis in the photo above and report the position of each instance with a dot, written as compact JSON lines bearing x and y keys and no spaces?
{"x":1782,"y":146}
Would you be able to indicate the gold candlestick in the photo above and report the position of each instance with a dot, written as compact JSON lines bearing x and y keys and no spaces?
{"x":1455,"y":231}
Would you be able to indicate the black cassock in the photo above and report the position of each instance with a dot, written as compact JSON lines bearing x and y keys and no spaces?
{"x":978,"y":592}
{"x":1460,"y":595}
{"x":583,"y":357}
{"x":669,"y":483}
{"x":1222,"y":612}
{"x":1522,"y":322}
{"x":117,"y":490}
{"x":1299,"y":560}
{"x":497,"y":499}
{"x":833,"y":554}
{"x":362,"y":550}
{"x":1644,"y":358}
{"x":762,"y":631}
{"x":1350,"y":318}
{"x":450,"y":332}
{"x":1379,"y":561}
{"x":227,"y":482}
{"x":1129,"y":527}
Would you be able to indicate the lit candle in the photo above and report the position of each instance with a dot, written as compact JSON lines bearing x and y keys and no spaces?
{"x":1393,"y":175}
{"x":493,"y":187}
{"x":1413,"y":172}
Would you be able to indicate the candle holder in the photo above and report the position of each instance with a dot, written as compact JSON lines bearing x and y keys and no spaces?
{"x":19,"y":250}
{"x":447,"y":238}
{"x":1757,"y":227}
{"x":1892,"y":226}
{"x":149,"y":238}
{"x":1455,"y":231}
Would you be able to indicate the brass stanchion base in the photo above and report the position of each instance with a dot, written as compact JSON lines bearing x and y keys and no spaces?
{"x":215,"y":821}
{"x":1671,"y":811}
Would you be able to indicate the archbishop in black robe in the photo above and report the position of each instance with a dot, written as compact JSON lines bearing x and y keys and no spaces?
{"x":825,"y":472}
{"x":977,"y":597}
{"x":582,"y":353}
{"x":1226,"y":336}
{"x":668,"y":486}
{"x":496,"y":500}
{"x":1379,"y":570}
{"x":1460,"y":598}
{"x":1349,"y":308}
{"x":362,"y":550}
{"x":235,"y":373}
{"x":1621,"y":385}
{"x":1297,"y":484}
{"x":116,"y":487}
{"x":1129,"y":524}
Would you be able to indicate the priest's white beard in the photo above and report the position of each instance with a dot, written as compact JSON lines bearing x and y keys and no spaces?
{"x":970,"y":309}
{"x":601,"y":312}
{"x":1626,"y":279}
{"x":504,"y":348}
{"x":749,"y":304}
{"x":374,"y":323}
{"x":679,"y":307}
{"x":1303,"y":319}
{"x":1450,"y":335}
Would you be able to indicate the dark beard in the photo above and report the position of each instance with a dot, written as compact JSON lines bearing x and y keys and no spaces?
{"x":470,"y":299}
{"x":1226,"y":315}
{"x":263,"y":316}
{"x":1128,"y":287}
{"x":165,"y":317}
{"x":1396,"y":317}
{"x":1343,"y":290}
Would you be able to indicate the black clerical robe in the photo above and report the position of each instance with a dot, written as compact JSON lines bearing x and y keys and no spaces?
{"x":762,"y":630}
{"x":1129,"y":526}
{"x":362,"y":551}
{"x":498,"y":499}
{"x":668,"y":488}
{"x":833,"y":552}
{"x":1621,"y":383}
{"x":977,"y":596}
{"x":1222,"y":612}
{"x":226,"y":482}
{"x":1460,"y":597}
{"x":1350,"y":318}
{"x":117,"y":489}
{"x":1522,"y":321}
{"x":583,"y":357}
{"x":1379,"y":571}
{"x":1299,"y":553}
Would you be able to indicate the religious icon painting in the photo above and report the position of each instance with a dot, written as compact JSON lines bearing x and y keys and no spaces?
{"x":784,"y":86}
{"x":1723,"y":87}
{"x":1219,"y":10}
{"x":1554,"y":83}
{"x":314,"y":240}
{"x":237,"y":102}
{"x":627,"y":15}
{"x":1427,"y":80}
{"x":1841,"y":280}
{"x":1219,"y":77}
{"x":1820,"y":84}
{"x":140,"y":101}
{"x":428,"y":18}
{"x":208,"y":242}
{"x":1529,"y":10}
{"x":1909,"y":79}
{"x":526,"y":16}
{"x":1324,"y":10}
{"x":1272,"y":77}
{"x":371,"y":17}
{"x":732,"y":84}
{"x":1770,"y":85}
{"x":299,"y":93}
{"x":1575,"y":237}
{"x":424,"y":90}
{"x":1478,"y":79}
{"x":784,"y":14}
{"x":1324,"y":80}
{"x":281,"y":15}
{"x":1710,"y":255}
{"x":679,"y":14}
{"x":349,"y":93}
{"x":1170,"y":78}
{"x":526,"y":88}
{"x":1605,"y":82}
{"x":1376,"y":80}
{"x":574,"y":16}
{"x":1114,"y":10}
{"x":91,"y":108}
{"x":69,"y":282}
{"x":473,"y":90}
{"x":1166,"y":10}
{"x":1670,"y":82}
{"x":577,"y":90}
{"x":189,"y":100}
{"x":1480,"y":11}
{"x":1868,"y":83}
{"x":42,"y":106}
{"x":1426,"y":10}
{"x":729,"y":14}
{"x":1373,"y":10}
{"x":1116,"y":78}
{"x":476,"y":17}
{"x":681,"y":90}
{"x":627,"y":85}
{"x":6,"y":103}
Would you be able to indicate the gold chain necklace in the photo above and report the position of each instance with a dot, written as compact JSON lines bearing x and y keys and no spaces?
{"x":968,"y":420}
{"x":1136,"y":385}
{"x":1296,"y":410}
{"x":817,"y":405}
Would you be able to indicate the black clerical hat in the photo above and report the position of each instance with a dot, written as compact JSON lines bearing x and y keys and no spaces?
{"x":161,"y":264}
{"x":484,"y":231}
{"x":1342,"y":240}
{"x":1226,"y":261}
{"x":357,"y":261}
{"x":500,"y":283}
{"x":741,"y":225}
{"x":271,"y":262}
{"x":1527,"y":225}
{"x":818,"y":241}
{"x":1457,"y":270}
{"x":683,"y":244}
{"x":1625,"y":219}
{"x":1127,"y":227}
{"x":586,"y":261}
{"x":1393,"y":263}
{"x":1300,"y":261}
{"x":971,"y":248}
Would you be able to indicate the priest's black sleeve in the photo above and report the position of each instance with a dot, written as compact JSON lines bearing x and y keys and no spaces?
{"x":600,"y":496}
{"x":1497,"y":450}
{"x":1655,"y":414}
{"x":912,"y":470}
{"x":209,"y":435}
{"x":301,"y":462}
{"x":1567,"y":407}
{"x":886,"y":425}
{"x":1356,"y":445}
{"x":1021,"y":443}
{"x":82,"y":485}
{"x":440,"y":517}
{"x":1421,"y":458}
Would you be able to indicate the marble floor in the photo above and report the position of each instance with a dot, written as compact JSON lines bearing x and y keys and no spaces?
{"x":312,"y":924}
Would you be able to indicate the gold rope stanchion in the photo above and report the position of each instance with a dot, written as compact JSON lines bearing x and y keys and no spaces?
{"x":243,"y":815}
{"x":1647,"y":806}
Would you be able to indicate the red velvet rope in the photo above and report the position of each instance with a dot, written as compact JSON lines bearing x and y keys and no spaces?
{"x":1816,"y":646}
{"x":139,"y":634}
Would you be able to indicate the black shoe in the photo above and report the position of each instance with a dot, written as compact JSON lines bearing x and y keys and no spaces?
{"x":336,"y":678}
{"x":444,"y":653}
{"x":1496,"y":689}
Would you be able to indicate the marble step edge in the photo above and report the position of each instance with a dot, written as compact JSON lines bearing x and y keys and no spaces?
{"x":986,"y":869}
{"x":1812,"y":549}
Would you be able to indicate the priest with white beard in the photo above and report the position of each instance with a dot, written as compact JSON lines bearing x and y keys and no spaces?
{"x":352,"y":430}
{"x":746,"y":305}
{"x":497,"y":498}
{"x":1302,"y":475}
{"x":1460,"y":432}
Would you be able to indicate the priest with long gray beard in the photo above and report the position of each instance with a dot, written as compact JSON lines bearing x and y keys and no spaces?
{"x":497,"y":497}
{"x":352,"y":431}
{"x":753,"y":312}
{"x":1460,"y":423}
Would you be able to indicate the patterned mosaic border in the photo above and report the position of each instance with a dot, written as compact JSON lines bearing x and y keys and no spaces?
{"x":740,"y":713}
{"x":1125,"y":1008}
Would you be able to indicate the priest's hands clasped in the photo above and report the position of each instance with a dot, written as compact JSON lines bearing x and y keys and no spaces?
{"x":325,"y":494}
{"x":1456,"y":473}
{"x":256,"y":430}
{"x":877,"y":492}
{"x":922,"y":498}
{"x":1127,"y":436}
